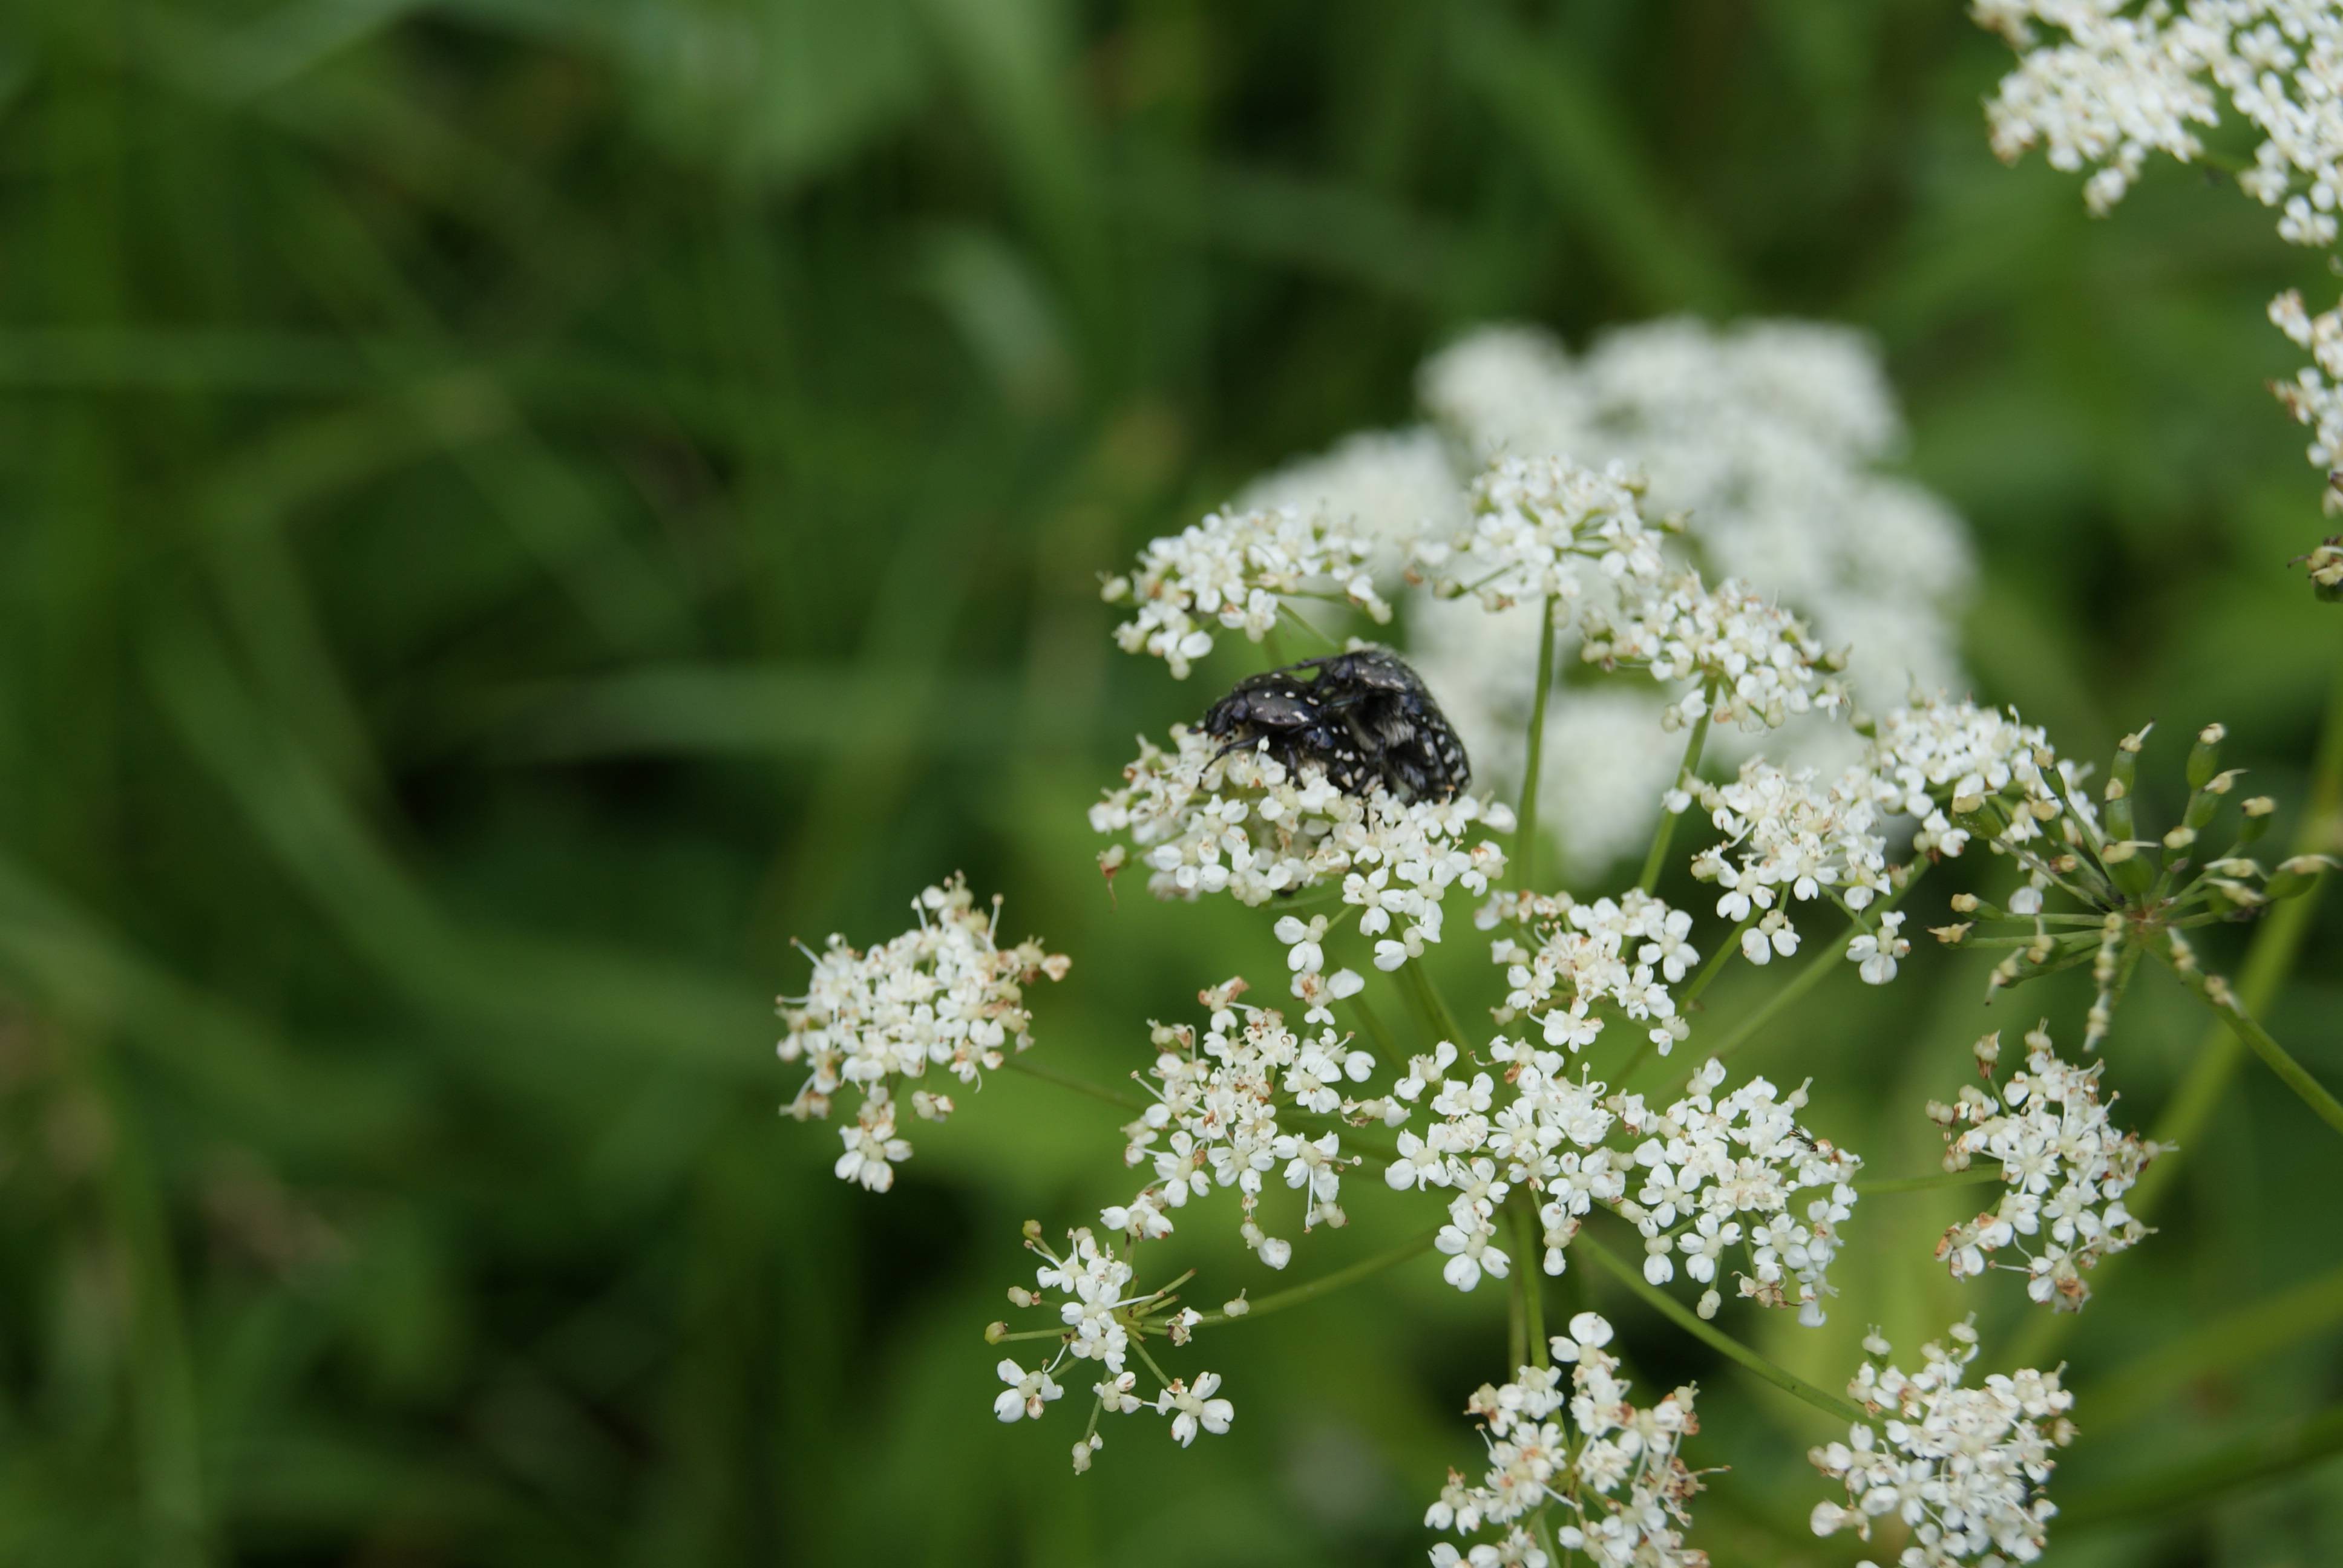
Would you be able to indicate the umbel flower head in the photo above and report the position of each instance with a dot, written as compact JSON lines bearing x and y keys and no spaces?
{"x":1612,"y":1471}
{"x":943,"y":995}
{"x":1230,"y":571}
{"x":1751,"y":454}
{"x":1964,"y":1468}
{"x":1106,"y":1318}
{"x":1953,"y":773}
{"x":2125,"y":893}
{"x":1245,"y":825}
{"x":2066,"y":1166}
{"x":1706,"y":1180}
{"x":1215,"y":1122}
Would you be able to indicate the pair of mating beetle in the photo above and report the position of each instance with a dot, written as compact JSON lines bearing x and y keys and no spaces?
{"x":1364,"y":717}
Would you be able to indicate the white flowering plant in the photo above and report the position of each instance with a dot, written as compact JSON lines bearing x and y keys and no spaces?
{"x":1579,"y":1106}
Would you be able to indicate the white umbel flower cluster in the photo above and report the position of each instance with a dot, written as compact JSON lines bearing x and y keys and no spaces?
{"x":1790,"y":836}
{"x":1214,"y":1122}
{"x":1730,"y":654}
{"x":1592,"y":962}
{"x":1764,"y":439}
{"x":1553,"y":531}
{"x":1704,"y":1179}
{"x":1963,"y":1468}
{"x":1952,"y":768}
{"x":1092,"y":1288}
{"x":2102,"y":85}
{"x":1244,"y":824}
{"x":943,"y":995}
{"x":2122,"y":84}
{"x":1231,"y":571}
{"x":1613,"y":1473}
{"x":1537,"y":526}
{"x":2067,"y":1165}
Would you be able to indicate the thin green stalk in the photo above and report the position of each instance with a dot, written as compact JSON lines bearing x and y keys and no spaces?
{"x":1386,"y":1049}
{"x":2264,"y":1456}
{"x":1716,"y":1339}
{"x":1290,"y":613}
{"x":1526,"y":819}
{"x":1977,"y":1176}
{"x":1095,"y":1090}
{"x":1517,"y":1323}
{"x":1667,"y":826}
{"x":2291,"y":1073}
{"x":1818,"y":969}
{"x":1716,"y":961}
{"x":1528,"y":1252}
{"x":2235,"y":1338}
{"x":1436,"y":1011}
{"x":1005,"y":1337}
{"x":1326,"y":1284}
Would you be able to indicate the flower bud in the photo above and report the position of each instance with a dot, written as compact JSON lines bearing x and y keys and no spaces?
{"x":994,"y":1333}
{"x":2297,"y":876}
{"x":1988,"y":1052}
{"x":2325,"y":568}
{"x":2121,"y":777}
{"x":2205,"y":757}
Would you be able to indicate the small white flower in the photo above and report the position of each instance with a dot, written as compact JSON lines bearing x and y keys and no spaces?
{"x":872,"y":1150}
{"x":1196,"y":1406}
{"x":1876,"y":951}
{"x":1027,"y":1392}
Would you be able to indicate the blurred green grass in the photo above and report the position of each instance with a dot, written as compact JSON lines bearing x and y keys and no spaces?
{"x":514,"y":510}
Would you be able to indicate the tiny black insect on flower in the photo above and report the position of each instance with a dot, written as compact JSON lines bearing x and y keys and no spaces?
{"x":1364,"y":717}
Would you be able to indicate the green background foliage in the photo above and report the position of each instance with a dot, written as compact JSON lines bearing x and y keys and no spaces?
{"x":514,"y":509}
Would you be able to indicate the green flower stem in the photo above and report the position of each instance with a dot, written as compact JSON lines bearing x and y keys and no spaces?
{"x":2264,"y":1456}
{"x":1528,"y":1253}
{"x":1372,"y":1023}
{"x":2232,"y":1011}
{"x":1818,"y":969}
{"x":1095,"y":1090}
{"x":1667,"y":828}
{"x":1716,"y":1339}
{"x":1716,"y":961}
{"x":1290,"y":613}
{"x":2235,"y":1338}
{"x":2268,"y":962}
{"x":1436,"y":1011}
{"x":1141,"y":1350}
{"x":1517,"y":1323}
{"x":1525,"y":834}
{"x":1326,"y":1284}
{"x":1002,"y":1339}
{"x":1972,"y":1178}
